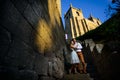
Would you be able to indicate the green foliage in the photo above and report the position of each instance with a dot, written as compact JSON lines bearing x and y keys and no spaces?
{"x":114,"y":7}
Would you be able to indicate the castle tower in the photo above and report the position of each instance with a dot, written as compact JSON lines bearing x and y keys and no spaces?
{"x":58,"y":5}
{"x":76,"y":25}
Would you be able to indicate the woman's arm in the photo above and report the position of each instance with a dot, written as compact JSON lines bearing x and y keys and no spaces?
{"x":72,"y":46}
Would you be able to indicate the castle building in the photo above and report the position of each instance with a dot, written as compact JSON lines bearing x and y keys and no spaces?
{"x":58,"y":5}
{"x":76,"y":25}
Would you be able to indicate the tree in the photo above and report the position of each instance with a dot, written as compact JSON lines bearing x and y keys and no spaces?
{"x":116,"y":5}
{"x":113,"y":8}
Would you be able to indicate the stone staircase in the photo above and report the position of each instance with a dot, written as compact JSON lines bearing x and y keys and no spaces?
{"x":77,"y":76}
{"x":91,"y":69}
{"x":91,"y":75}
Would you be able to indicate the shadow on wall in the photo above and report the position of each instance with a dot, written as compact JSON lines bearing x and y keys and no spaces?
{"x":30,"y":36}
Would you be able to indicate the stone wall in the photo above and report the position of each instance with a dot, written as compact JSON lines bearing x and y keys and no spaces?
{"x":31,"y":40}
{"x":105,"y":57}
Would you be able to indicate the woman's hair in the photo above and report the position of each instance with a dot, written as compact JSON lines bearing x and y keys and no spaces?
{"x":72,"y":39}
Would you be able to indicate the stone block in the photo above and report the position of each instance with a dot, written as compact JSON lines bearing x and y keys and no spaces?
{"x":41,"y":65}
{"x":15,"y":23}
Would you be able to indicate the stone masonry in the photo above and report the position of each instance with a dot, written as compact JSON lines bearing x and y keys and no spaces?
{"x":31,"y":40}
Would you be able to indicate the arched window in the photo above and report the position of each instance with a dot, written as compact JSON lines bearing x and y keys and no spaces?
{"x":78,"y":13}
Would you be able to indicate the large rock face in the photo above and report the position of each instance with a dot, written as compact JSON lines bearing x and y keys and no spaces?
{"x":31,"y":40}
{"x":105,"y":57}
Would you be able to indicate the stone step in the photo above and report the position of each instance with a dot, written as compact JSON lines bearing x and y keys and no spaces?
{"x":93,"y":72}
{"x":77,"y":76}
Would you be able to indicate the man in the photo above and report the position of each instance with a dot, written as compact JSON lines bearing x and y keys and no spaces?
{"x":78,"y":48}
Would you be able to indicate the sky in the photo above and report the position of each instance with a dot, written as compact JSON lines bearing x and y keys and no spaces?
{"x":95,"y":7}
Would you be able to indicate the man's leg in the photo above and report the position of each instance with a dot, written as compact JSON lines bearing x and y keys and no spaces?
{"x":81,"y":57}
{"x":79,"y":69}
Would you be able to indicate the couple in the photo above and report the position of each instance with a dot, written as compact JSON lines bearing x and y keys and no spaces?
{"x":77,"y":57}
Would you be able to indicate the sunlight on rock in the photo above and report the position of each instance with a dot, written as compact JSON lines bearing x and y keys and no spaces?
{"x":43,"y":39}
{"x":52,"y":9}
{"x":99,"y":47}
{"x":91,"y":43}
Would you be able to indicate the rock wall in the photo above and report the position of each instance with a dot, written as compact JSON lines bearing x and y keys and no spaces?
{"x":105,"y":57}
{"x":31,"y":40}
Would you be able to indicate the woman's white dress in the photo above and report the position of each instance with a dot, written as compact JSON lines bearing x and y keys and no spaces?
{"x":74,"y":57}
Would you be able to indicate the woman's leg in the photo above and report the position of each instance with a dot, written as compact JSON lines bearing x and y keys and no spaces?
{"x":73,"y":68}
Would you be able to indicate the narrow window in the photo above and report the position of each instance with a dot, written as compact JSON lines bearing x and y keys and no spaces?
{"x":78,"y":13}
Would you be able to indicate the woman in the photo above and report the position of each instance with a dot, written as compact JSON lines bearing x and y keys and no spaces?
{"x":74,"y":59}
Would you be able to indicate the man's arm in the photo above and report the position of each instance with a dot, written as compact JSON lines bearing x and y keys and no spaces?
{"x":80,"y":46}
